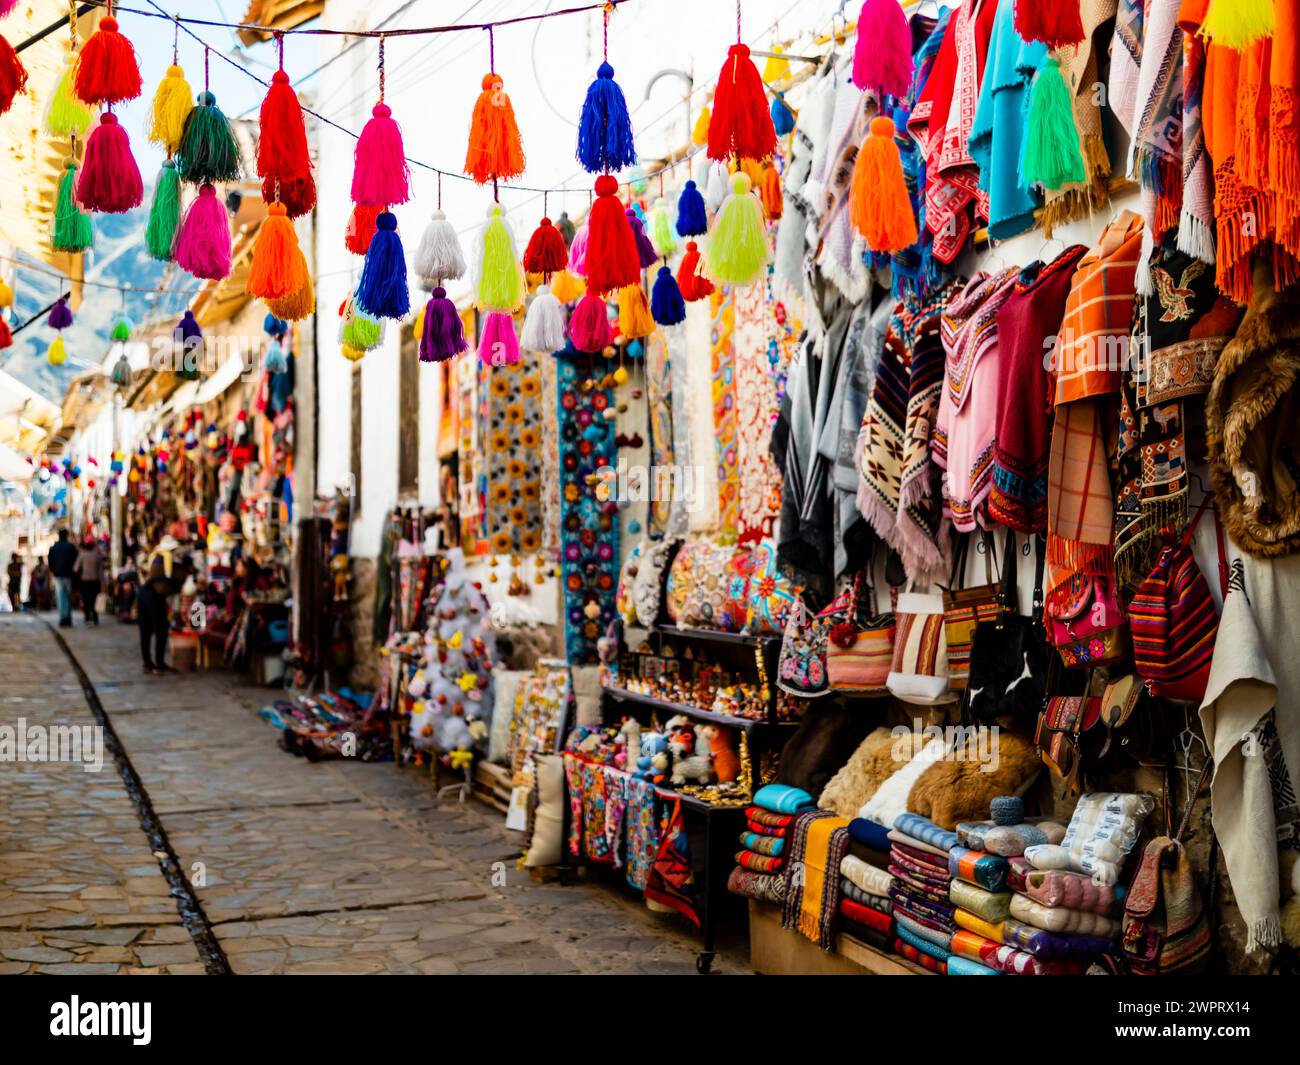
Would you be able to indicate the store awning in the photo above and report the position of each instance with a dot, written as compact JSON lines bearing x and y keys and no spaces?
{"x":278,"y":15}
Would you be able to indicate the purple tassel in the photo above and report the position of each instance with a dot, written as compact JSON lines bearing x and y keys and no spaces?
{"x":443,"y":335}
{"x":187,"y":340}
{"x":499,"y":346}
{"x":644,"y":249}
{"x":60,"y":315}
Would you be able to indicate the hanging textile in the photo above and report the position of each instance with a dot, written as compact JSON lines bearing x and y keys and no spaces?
{"x":660,"y":414}
{"x":642,"y":831}
{"x":758,"y":482}
{"x":699,"y":396}
{"x":725,"y":422}
{"x":550,"y":501}
{"x":678,"y":522}
{"x":838,"y":246}
{"x":670,"y":885}
{"x":472,"y":479}
{"x":514,"y":467}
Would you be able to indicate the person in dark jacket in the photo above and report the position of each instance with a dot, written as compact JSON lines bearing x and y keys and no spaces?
{"x":151,"y":613}
{"x":63,"y":564}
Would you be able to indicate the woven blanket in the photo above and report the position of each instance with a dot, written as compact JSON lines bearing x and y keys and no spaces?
{"x":1051,"y":946}
{"x":922,"y":866}
{"x":919,"y":957}
{"x":764,"y":887}
{"x":1061,"y":919}
{"x":757,"y":815}
{"x":870,"y":834}
{"x":926,"y":831}
{"x":993,"y":906}
{"x":922,"y":919}
{"x":975,"y":867}
{"x":812,"y":887}
{"x":935,"y":937}
{"x":985,"y":929}
{"x":912,"y":845}
{"x":761,"y":829}
{"x":935,"y":892}
{"x":958,"y":966}
{"x":873,"y":857}
{"x":1008,"y":960}
{"x":866,"y":916}
{"x":759,"y":863}
{"x":671,"y":882}
{"x":850,"y":890}
{"x":934,"y":950}
{"x":770,"y":845}
{"x":781,"y":799}
{"x":882,"y":941}
{"x":939,"y":910}
{"x":1060,"y":887}
{"x":869,"y":878}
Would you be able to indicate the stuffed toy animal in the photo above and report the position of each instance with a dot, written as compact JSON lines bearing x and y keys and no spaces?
{"x":629,"y":738}
{"x":690,"y":757}
{"x":722,"y":748}
{"x":654,"y":749}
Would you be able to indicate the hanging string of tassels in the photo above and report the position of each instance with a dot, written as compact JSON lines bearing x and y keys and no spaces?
{"x":380,"y":175}
{"x":283,"y":158}
{"x":107,"y":69}
{"x":495,"y":151}
{"x":741,"y":124}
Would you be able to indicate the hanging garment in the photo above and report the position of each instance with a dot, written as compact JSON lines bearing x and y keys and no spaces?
{"x":724,"y":408}
{"x":794,"y":446}
{"x":758,"y":482}
{"x":1196,"y":220}
{"x":839,"y":246}
{"x":811,"y":129}
{"x":659,"y":426}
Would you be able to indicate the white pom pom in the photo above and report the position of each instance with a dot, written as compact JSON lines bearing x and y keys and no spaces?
{"x":439,"y":256}
{"x":544,"y":323}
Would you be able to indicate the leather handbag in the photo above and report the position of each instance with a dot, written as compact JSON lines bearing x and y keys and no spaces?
{"x":1066,"y":718}
{"x":964,"y":609}
{"x":861,"y":644}
{"x":1086,"y":622}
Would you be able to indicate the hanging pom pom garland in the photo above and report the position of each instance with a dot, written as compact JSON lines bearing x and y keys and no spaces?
{"x":546,"y":253}
{"x":203,"y":243}
{"x":611,"y":258}
{"x":208,"y":152}
{"x":1057,"y":23}
{"x":882,"y":57}
{"x":172,"y":103}
{"x":443,"y":335}
{"x":1234,"y":23}
{"x":13,"y":75}
{"x":282,"y":153}
{"x":645,"y":249}
{"x":73,"y":230}
{"x":741,"y":125}
{"x":662,"y":234}
{"x":275,"y":270}
{"x":690,"y":282}
{"x":360,"y":228}
{"x":692,"y":221}
{"x":383,"y":291}
{"x":737,"y":248}
{"x":107,"y":70}
{"x":300,"y":304}
{"x":605,"y":128}
{"x":67,"y":116}
{"x":544,"y":323}
{"x":498,"y":345}
{"x":666,"y":304}
{"x":60,"y":314}
{"x":495,"y":151}
{"x":438,"y":257}
{"x":109,"y":180}
{"x":1052,"y":156}
{"x":634,"y":318}
{"x":498,"y":284}
{"x":589,"y":327}
{"x":164,"y":213}
{"x":879,"y":207}
{"x":380,"y":176}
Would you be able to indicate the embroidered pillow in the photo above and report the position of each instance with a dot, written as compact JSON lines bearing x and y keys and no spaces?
{"x":771,"y":594}
{"x":648,"y":591}
{"x":715,"y":588}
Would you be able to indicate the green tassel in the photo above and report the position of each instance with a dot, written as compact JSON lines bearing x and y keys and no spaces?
{"x":362,"y":332}
{"x":164,"y":213}
{"x":67,"y":115}
{"x":1052,"y":156}
{"x":73,"y":230}
{"x":737,"y":248}
{"x":208,"y":152}
{"x":500,"y":286}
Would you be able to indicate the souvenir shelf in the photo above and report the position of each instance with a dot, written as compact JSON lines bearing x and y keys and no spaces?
{"x":668,"y":708}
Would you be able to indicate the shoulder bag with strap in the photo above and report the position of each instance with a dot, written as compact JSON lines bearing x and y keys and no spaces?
{"x":964,"y":609}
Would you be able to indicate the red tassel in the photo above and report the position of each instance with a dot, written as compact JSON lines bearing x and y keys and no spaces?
{"x":741,"y":124}
{"x":13,"y":75}
{"x":546,"y":253}
{"x":496,"y":151}
{"x":6,"y":334}
{"x":693,"y":286}
{"x":109,"y":180}
{"x":282,"y":139}
{"x":612,"y":259}
{"x":361,"y":227}
{"x":107,"y":70}
{"x":297,"y":194}
{"x":1056,"y":23}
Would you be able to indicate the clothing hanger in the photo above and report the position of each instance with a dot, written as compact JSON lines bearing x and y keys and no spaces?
{"x":1185,"y":743}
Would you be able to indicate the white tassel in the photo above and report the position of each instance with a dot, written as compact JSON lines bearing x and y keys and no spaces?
{"x":544,"y":323}
{"x":718,"y":189}
{"x":1195,"y":238}
{"x":439,"y":256}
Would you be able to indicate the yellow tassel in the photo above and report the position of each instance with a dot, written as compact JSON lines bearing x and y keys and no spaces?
{"x":700,"y":135}
{"x":172,"y":104}
{"x":634,"y":319}
{"x":568,"y":287}
{"x":1239,"y":23}
{"x":776,"y":67}
{"x":352,"y":354}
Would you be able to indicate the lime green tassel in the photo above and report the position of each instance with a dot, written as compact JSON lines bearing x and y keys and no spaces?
{"x":500,"y":283}
{"x":362,"y":333}
{"x":66,"y":114}
{"x":122,"y":329}
{"x":73,"y":230}
{"x":164,"y":213}
{"x":1052,"y":156}
{"x":1239,"y":23}
{"x":737,"y":249}
{"x":662,"y":232}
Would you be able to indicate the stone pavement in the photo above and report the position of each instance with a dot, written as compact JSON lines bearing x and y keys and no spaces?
{"x":334,"y":867}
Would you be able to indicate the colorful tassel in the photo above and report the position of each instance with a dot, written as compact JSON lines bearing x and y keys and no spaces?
{"x":700,"y":132}
{"x":611,"y":259}
{"x":297,"y":305}
{"x":6,"y":334}
{"x":498,"y":283}
{"x":544,"y":323}
{"x":776,"y":67}
{"x":438,"y":257}
{"x":107,"y":70}
{"x":567,"y":287}
{"x":690,"y":282}
{"x":1238,"y":23}
{"x":496,"y":151}
{"x":297,"y":194}
{"x":692,"y":221}
{"x":121,"y":375}
{"x":741,"y":126}
{"x":109,"y":180}
{"x":6,"y":294}
{"x":172,"y":103}
{"x":666,"y":304}
{"x":634,"y":318}
{"x":605,"y":129}
{"x":770,"y":193}
{"x":60,"y":314}
{"x":360,"y":228}
{"x":13,"y":75}
{"x":662,"y":233}
{"x":737,"y":248}
{"x":275,"y":360}
{"x":187,"y":339}
{"x":443,"y":335}
{"x":578,"y":251}
{"x":203,"y":243}
{"x":565,"y":225}
{"x":73,"y":230}
{"x":380,"y":176}
{"x":1052,"y":156}
{"x":546,"y":253}
{"x":882,"y":57}
{"x":717,"y":187}
{"x":164,"y":213}
{"x":1057,"y":23}
{"x":645,"y":249}
{"x":282,"y":153}
{"x":782,"y":116}
{"x":275,"y":327}
{"x":56,"y":353}
{"x":67,"y":115}
{"x":499,"y":346}
{"x":589,"y":327}
{"x":383,"y":291}
{"x":359,"y":330}
{"x":350,"y":353}
{"x":274,"y":271}
{"x":122,"y":329}
{"x":879,"y":207}
{"x":208,"y":152}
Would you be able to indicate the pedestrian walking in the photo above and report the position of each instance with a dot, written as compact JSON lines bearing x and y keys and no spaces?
{"x":63,"y":563}
{"x":15,"y":576}
{"x":89,"y":569}
{"x":40,"y":590}
{"x":152,"y":616}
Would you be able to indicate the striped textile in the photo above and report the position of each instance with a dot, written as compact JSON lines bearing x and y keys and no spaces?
{"x":975,"y":867}
{"x":926,"y":831}
{"x":1080,"y":505}
{"x":1008,"y":960}
{"x":1174,"y":625}
{"x":919,"y":957}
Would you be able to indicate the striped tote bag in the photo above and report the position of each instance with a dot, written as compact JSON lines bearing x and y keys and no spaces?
{"x":919,"y":671}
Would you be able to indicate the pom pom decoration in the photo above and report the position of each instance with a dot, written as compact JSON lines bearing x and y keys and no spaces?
{"x":203,"y":243}
{"x":546,"y":253}
{"x":380,"y":176}
{"x":56,"y":353}
{"x":282,"y":153}
{"x":297,"y":194}
{"x":173,"y":101}
{"x":589,"y":327}
{"x":275,"y":327}
{"x":109,"y":180}
{"x":700,"y":131}
{"x":383,"y":290}
{"x":692,"y":221}
{"x":60,"y":314}
{"x":107,"y":71}
{"x":770,"y":193}
{"x":1052,"y":154}
{"x":1237,"y":23}
{"x":297,"y":305}
{"x":882,"y":58}
{"x":443,"y":335}
{"x":122,"y":329}
{"x":1058,"y":23}
{"x":782,"y":116}
{"x":578,"y":251}
{"x":275,"y":271}
{"x":645,"y":249}
{"x":741,"y":125}
{"x":495,"y":151}
{"x":611,"y":259}
{"x":73,"y":230}
{"x":13,"y":75}
{"x":879,"y":207}
{"x":187,"y":339}
{"x":605,"y":129}
{"x":662,"y":233}
{"x":737,"y":248}
{"x":666,"y":304}
{"x":634,"y":318}
{"x":66,"y":115}
{"x":208,"y":152}
{"x":121,"y":375}
{"x":567,"y":287}
{"x":360,"y":228}
{"x":164,"y":213}
{"x":498,"y":283}
{"x":438,"y":256}
{"x":544,"y":323}
{"x":498,"y":346}
{"x":275,"y":360}
{"x":692,"y":285}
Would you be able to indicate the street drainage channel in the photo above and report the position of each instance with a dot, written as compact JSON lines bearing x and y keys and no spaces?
{"x":187,"y":903}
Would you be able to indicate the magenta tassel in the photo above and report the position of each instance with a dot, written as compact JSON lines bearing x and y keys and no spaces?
{"x":380,"y":176}
{"x":589,"y":327}
{"x":499,"y":346}
{"x":109,"y":179}
{"x":443,"y":335}
{"x":882,"y":58}
{"x":203,"y":244}
{"x":578,"y":251}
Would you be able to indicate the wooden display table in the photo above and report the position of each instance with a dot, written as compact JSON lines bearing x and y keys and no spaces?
{"x":774,"y":951}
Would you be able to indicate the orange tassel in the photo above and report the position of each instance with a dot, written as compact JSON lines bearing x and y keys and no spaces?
{"x":277,"y":269}
{"x":495,"y":150}
{"x":634,"y":318}
{"x":879,"y":207}
{"x":770,"y":191}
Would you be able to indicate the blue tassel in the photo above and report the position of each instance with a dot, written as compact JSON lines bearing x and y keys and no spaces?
{"x":666,"y":304}
{"x":383,"y":292}
{"x":274,"y":361}
{"x":782,"y":116}
{"x":692,"y":221}
{"x":605,"y":131}
{"x":273,"y":326}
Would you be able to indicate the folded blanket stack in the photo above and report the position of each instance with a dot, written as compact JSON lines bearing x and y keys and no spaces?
{"x":922,"y":909}
{"x":760,"y":862}
{"x":865,"y":906}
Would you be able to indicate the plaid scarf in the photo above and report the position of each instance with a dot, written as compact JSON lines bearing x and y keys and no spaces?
{"x":818,"y":844}
{"x":1080,"y":507}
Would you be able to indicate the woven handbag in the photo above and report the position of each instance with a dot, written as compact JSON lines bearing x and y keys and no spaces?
{"x":1086,"y":622}
{"x":861,"y":645}
{"x":964,"y":608}
{"x":919,"y":671}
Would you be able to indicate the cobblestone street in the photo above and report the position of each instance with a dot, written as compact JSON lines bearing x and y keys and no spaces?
{"x":306,"y":868}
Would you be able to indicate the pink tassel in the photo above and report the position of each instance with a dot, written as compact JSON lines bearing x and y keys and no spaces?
{"x":589,"y":327}
{"x":380,"y":177}
{"x":499,"y":346}
{"x":109,"y":180}
{"x":882,"y":58}
{"x":578,"y":251}
{"x":203,"y":244}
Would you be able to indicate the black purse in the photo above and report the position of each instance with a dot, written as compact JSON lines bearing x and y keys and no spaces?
{"x":1008,"y":661}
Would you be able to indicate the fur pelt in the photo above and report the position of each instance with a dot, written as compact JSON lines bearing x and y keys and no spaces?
{"x":1291,"y":921}
{"x":867,"y":768}
{"x":828,"y":734}
{"x":954,"y":790}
